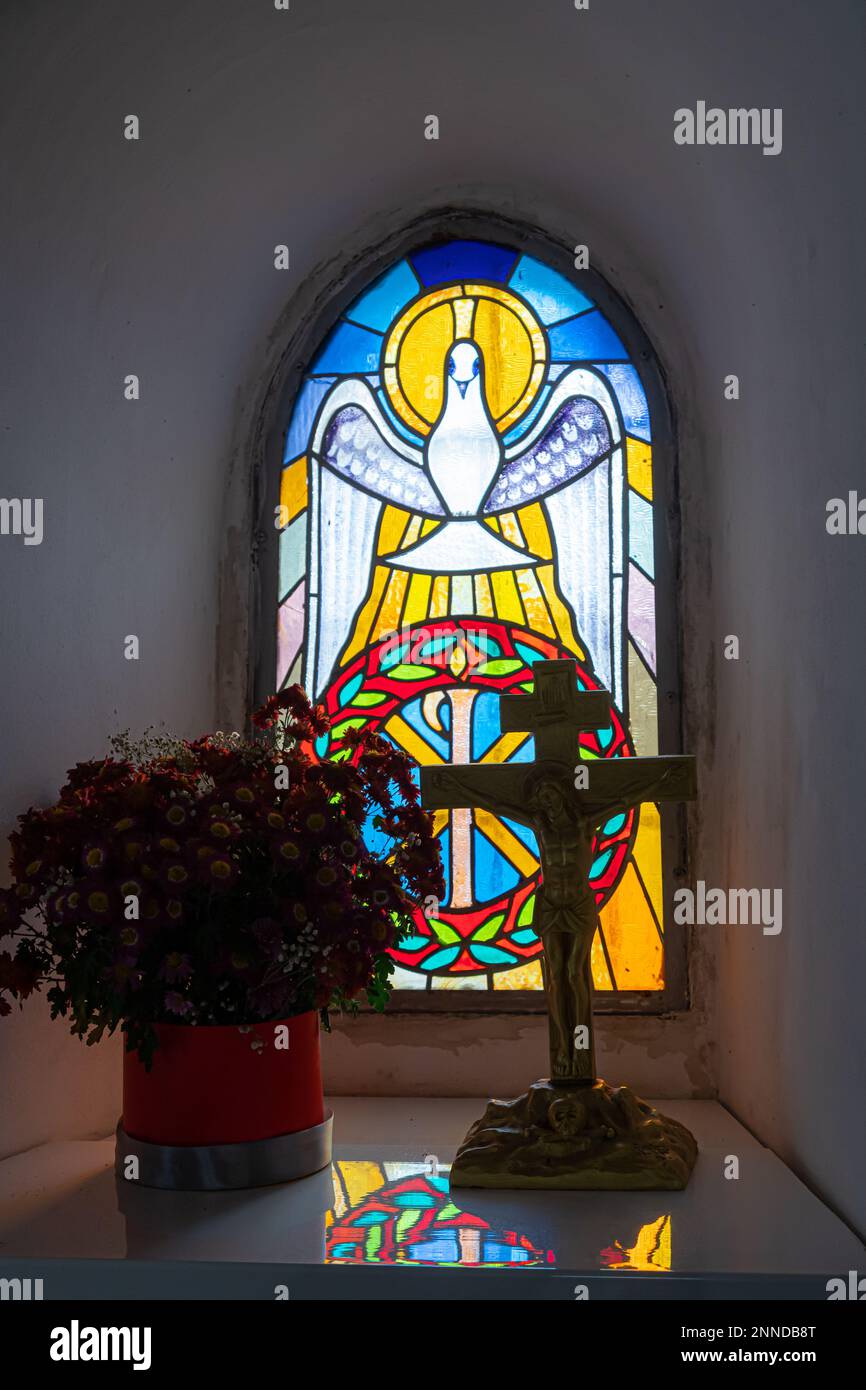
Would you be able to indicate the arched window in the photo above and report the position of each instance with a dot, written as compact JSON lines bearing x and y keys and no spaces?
{"x":468,"y":487}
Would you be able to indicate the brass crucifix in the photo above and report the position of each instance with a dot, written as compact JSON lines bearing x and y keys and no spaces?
{"x":563,"y":798}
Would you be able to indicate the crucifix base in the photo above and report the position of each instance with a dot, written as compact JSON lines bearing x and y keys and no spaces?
{"x":590,"y":1137}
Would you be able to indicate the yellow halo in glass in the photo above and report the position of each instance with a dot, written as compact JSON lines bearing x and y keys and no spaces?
{"x":506,"y":332}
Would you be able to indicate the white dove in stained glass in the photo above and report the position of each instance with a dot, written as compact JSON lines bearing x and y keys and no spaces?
{"x":463,"y":471}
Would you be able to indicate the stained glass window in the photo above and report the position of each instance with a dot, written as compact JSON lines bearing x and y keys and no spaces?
{"x":468,"y":488}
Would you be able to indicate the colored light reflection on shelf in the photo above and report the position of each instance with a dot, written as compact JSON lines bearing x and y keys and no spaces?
{"x":650,"y":1254}
{"x":398,"y":1213}
{"x":401,"y":1213}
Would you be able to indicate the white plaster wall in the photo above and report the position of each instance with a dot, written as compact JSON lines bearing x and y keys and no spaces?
{"x":261,"y":127}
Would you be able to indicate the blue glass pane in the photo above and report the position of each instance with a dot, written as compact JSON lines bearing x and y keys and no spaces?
{"x":494,"y":875}
{"x":310,"y":397}
{"x":588,"y":338}
{"x":523,"y":833}
{"x":349,"y":349}
{"x":640,"y":532}
{"x":414,"y":716}
{"x":485,"y":723}
{"x":463,"y":260}
{"x":445,"y":845}
{"x":632,"y":401}
{"x":383,"y":301}
{"x":550,"y":294}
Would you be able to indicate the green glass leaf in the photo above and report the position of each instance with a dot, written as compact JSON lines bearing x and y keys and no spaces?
{"x":489,"y":928}
{"x":405,"y":672}
{"x":505,"y":667}
{"x":441,"y":930}
{"x":527,"y":911}
{"x":367,"y":698}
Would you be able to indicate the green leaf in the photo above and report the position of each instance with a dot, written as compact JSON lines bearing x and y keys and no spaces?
{"x":503,"y":667}
{"x":489,"y":928}
{"x":441,"y":930}
{"x":367,"y":698}
{"x":405,"y":672}
{"x":527,"y":911}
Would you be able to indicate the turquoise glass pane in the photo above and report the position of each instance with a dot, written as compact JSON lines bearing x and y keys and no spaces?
{"x":640,"y":532}
{"x":293,"y":555}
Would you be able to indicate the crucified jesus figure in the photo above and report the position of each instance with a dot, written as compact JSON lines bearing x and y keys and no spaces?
{"x":563,"y":798}
{"x":564,"y":812}
{"x":565,"y":917}
{"x":565,"y":920}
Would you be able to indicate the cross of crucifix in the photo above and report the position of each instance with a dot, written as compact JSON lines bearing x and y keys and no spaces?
{"x":563,"y":798}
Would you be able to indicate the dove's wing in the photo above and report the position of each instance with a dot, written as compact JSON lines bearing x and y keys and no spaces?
{"x":577,"y":428}
{"x":357,"y":464}
{"x":572,"y":462}
{"x":354,"y":440}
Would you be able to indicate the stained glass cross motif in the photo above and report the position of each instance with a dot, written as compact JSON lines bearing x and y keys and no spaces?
{"x":564,"y":811}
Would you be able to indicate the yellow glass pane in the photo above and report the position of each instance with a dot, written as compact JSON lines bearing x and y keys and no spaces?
{"x":632,"y":940}
{"x":418,"y":598}
{"x":598,"y":965}
{"x":521,"y":977}
{"x":536,"y":530}
{"x":421,"y":365}
{"x":392,"y":529}
{"x":506,"y":597}
{"x":507,"y":353}
{"x":648,"y":855}
{"x":537,"y":614}
{"x":639,"y":457}
{"x":293,"y":490}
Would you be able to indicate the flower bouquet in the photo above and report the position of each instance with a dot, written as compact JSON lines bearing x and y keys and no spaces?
{"x":222,"y":888}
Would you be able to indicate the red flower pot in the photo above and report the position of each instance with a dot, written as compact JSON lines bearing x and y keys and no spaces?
{"x":225,"y":1106}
